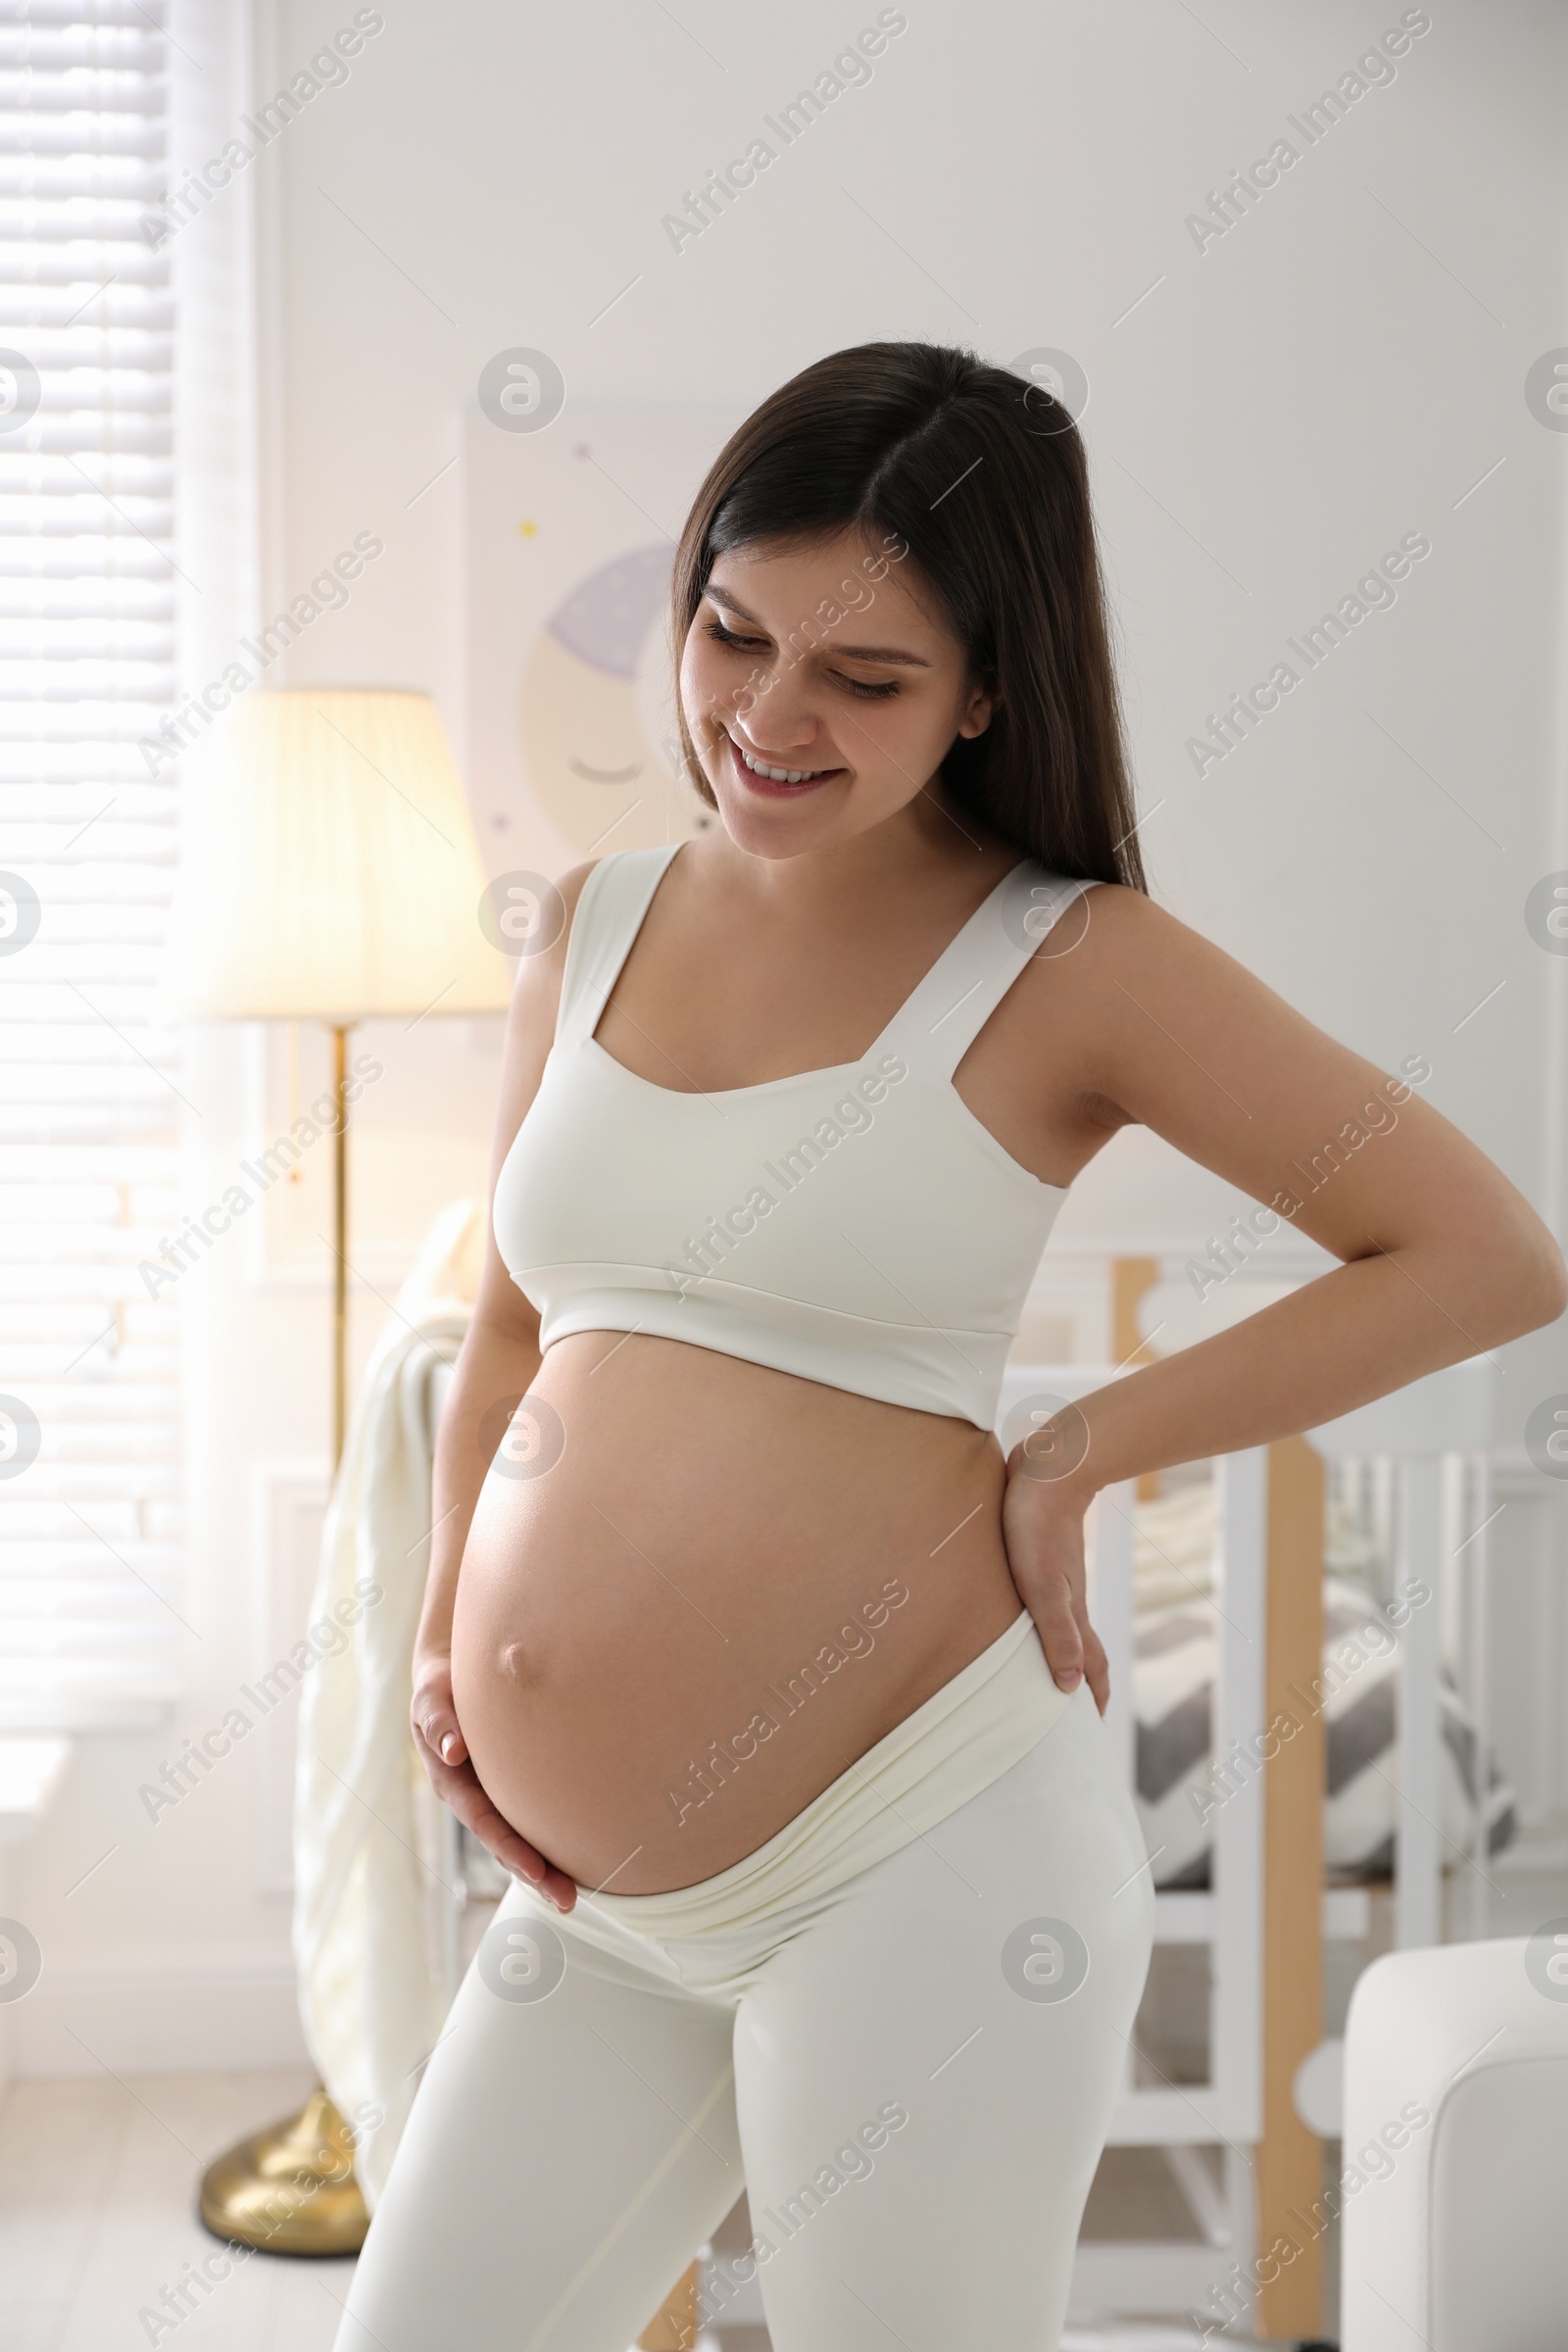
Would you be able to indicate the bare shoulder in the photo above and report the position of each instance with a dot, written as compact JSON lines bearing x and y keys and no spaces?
{"x":545,"y":914}
{"x":542,"y":915}
{"x":1145,"y":1012}
{"x":1114,"y":935}
{"x":570,"y":886}
{"x":1131,"y":921}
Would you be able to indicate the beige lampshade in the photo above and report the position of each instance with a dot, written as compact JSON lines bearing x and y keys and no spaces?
{"x":329,"y":868}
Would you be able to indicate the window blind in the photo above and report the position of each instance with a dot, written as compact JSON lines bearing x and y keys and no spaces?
{"x":89,"y":1119}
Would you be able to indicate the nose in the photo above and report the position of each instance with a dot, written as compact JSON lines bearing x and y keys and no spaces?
{"x":774,"y":719}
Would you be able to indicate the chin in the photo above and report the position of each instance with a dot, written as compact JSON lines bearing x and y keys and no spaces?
{"x":783,"y":830}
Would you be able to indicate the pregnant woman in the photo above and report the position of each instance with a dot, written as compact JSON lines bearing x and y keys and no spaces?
{"x":745,"y":1647}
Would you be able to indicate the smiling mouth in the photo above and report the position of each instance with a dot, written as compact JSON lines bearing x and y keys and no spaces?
{"x":778,"y":775}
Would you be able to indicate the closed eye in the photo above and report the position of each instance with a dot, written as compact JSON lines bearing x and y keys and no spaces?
{"x":722,"y":636}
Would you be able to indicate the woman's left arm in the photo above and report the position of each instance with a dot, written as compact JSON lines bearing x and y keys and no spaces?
{"x":1442,"y":1256}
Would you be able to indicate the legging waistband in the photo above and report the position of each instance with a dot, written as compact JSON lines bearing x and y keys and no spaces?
{"x":964,"y":1737}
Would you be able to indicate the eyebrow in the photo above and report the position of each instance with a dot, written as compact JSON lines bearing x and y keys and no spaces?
{"x":854,"y":653}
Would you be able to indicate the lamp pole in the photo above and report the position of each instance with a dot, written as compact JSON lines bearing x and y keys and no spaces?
{"x":340,"y":1243}
{"x":290,"y":2189}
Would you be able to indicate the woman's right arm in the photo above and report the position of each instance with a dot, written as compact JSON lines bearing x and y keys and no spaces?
{"x":499,"y":1359}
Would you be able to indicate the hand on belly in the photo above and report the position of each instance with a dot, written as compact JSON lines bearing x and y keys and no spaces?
{"x":659,"y":1661}
{"x":444,"y":1753}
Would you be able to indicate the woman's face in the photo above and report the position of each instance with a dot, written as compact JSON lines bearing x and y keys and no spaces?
{"x":828,"y":665}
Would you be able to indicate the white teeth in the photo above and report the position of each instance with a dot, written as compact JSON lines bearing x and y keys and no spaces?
{"x":778,"y":775}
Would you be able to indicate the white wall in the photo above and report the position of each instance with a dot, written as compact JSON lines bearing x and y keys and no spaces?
{"x":1340,"y":369}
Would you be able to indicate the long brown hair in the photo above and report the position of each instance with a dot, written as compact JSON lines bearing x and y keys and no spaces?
{"x":983,"y":477}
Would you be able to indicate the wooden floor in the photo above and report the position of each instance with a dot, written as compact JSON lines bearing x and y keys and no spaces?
{"x":97,"y":2182}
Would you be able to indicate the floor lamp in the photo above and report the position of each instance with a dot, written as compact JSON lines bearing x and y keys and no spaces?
{"x":329,"y":872}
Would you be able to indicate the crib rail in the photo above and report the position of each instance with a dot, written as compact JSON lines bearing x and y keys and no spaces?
{"x":1434,"y":1435}
{"x":1428,"y":1444}
{"x":1227,"y":2106}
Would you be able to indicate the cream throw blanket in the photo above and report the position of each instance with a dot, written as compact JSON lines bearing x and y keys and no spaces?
{"x":373,"y":1909}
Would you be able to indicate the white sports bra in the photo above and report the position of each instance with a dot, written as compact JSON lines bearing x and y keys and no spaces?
{"x":855,"y":1225}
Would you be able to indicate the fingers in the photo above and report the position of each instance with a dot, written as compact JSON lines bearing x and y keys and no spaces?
{"x":1097,"y":1667}
{"x":1073,"y":1649}
{"x":435,"y":1720}
{"x":1051,"y":1608}
{"x":1045,"y":1555}
{"x":513,"y":1852}
{"x":522,"y":1860}
{"x":458,"y":1787}
{"x":431,"y":1757}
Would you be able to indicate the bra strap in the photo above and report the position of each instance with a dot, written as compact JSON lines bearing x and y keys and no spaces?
{"x":934,"y":1028}
{"x":607,"y":918}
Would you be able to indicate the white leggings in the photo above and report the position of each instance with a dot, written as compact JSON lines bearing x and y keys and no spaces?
{"x":912,"y":2076}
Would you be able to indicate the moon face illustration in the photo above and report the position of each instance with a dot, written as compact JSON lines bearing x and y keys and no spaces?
{"x":585,"y":732}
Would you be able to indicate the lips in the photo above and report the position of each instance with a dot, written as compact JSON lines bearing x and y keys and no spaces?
{"x":767,"y":787}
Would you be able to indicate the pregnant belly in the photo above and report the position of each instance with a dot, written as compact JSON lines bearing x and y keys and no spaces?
{"x":708,"y":1591}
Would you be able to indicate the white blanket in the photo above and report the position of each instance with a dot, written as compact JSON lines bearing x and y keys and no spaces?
{"x":372,"y":1913}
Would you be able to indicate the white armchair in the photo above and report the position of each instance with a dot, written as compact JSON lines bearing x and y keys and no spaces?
{"x":1455,"y":2231}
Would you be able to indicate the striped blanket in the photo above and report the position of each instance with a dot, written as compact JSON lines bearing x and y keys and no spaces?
{"x":1174,"y":1666}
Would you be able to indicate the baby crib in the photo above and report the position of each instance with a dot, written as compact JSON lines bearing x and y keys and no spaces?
{"x":1239,"y":2145}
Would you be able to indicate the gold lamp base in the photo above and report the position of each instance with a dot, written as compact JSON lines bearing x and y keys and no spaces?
{"x":290,"y":2189}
